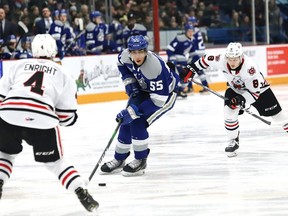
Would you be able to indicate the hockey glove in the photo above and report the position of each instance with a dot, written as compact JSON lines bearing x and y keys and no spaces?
{"x":188,"y":72}
{"x":131,"y":86}
{"x":128,"y":115}
{"x":237,"y":101}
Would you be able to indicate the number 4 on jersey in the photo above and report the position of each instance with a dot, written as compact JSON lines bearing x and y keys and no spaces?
{"x":35,"y":81}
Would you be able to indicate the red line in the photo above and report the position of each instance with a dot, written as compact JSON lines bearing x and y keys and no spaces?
{"x":59,"y":141}
{"x":7,"y":167}
{"x":25,"y":104}
{"x":69,"y":174}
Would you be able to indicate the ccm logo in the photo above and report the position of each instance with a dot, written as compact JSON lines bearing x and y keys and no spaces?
{"x":45,"y":153}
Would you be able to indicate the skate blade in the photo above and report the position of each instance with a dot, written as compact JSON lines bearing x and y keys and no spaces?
{"x":231,"y":154}
{"x":109,"y":173}
{"x":118,"y":170}
{"x":128,"y":174}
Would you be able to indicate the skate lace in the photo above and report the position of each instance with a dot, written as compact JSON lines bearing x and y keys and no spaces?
{"x":114,"y":163}
{"x":135,"y":163}
{"x":232,"y":143}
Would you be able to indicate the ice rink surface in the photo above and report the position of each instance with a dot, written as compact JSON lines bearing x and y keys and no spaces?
{"x":188,"y":173}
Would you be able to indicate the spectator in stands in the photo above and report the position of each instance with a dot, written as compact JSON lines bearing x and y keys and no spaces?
{"x":43,"y":25}
{"x":7,"y":28}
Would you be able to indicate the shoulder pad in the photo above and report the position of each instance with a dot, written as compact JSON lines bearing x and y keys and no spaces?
{"x":181,"y":38}
{"x":90,"y":27}
{"x":124,"y":57}
{"x":58,"y":23}
{"x":140,"y":27}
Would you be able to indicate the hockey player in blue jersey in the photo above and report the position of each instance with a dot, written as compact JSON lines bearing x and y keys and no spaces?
{"x":10,"y":48}
{"x":197,"y":51}
{"x":178,"y":51}
{"x":96,"y":32}
{"x":151,"y":86}
{"x":25,"y":51}
{"x":57,"y":31}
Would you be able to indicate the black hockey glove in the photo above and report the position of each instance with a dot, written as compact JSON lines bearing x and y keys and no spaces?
{"x":237,"y":101}
{"x":188,"y":72}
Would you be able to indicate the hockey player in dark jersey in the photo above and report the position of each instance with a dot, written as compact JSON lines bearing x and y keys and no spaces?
{"x":25,"y":51}
{"x":197,"y":51}
{"x":36,"y":96}
{"x":151,"y":85}
{"x":95,"y":34}
{"x":177,"y":52}
{"x":247,"y":87}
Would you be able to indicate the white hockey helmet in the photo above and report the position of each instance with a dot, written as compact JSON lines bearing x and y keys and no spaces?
{"x":234,"y":50}
{"x":44,"y":45}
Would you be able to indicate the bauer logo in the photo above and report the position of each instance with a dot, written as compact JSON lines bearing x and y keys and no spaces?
{"x":45,"y":153}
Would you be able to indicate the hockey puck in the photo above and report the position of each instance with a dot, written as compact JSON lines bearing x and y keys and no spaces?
{"x":102,"y":184}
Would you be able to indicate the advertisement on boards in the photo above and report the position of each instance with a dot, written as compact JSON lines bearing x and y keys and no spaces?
{"x":277,"y":60}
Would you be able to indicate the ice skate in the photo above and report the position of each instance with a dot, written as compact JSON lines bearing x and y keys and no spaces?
{"x":86,"y":199}
{"x":135,"y":168}
{"x":1,"y":186}
{"x":204,"y":91}
{"x":232,"y":147}
{"x":181,"y":94}
{"x":113,"y":166}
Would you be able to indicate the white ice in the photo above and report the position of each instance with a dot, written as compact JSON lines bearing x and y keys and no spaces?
{"x":188,"y":172}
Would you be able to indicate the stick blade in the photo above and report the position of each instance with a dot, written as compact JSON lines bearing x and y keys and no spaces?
{"x":23,"y":28}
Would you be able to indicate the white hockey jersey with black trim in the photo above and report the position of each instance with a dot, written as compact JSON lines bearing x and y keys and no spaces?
{"x":38,"y":93}
{"x":246,"y":80}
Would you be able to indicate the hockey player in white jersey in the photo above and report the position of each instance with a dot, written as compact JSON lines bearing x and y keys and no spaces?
{"x":36,"y":96}
{"x":247,"y":87}
{"x":151,"y":85}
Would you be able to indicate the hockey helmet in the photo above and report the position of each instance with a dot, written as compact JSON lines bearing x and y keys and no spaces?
{"x":11,"y":39}
{"x":26,"y":40}
{"x":234,"y":50}
{"x":94,"y":14}
{"x":131,"y":16}
{"x":63,"y":12}
{"x":137,"y":42}
{"x":44,"y":45}
{"x":188,"y":26}
{"x":55,"y":13}
{"x":193,"y":20}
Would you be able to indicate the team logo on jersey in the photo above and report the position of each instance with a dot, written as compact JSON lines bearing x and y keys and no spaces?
{"x":252,"y":71}
{"x":238,"y":83}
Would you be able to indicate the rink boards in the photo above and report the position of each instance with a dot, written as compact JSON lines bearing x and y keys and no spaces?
{"x":98,"y":79}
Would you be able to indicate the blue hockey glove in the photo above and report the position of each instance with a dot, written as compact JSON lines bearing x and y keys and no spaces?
{"x":128,"y":115}
{"x":237,"y":101}
{"x":131,"y":86}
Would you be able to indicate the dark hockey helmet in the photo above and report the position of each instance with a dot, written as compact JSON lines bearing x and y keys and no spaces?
{"x":193,"y":20}
{"x":188,"y":26}
{"x":94,"y":14}
{"x":137,"y":42}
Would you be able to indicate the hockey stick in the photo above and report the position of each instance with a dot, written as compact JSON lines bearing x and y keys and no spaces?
{"x":24,"y":31}
{"x":224,"y":98}
{"x":105,"y":150}
{"x":109,"y":144}
{"x":74,"y":40}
